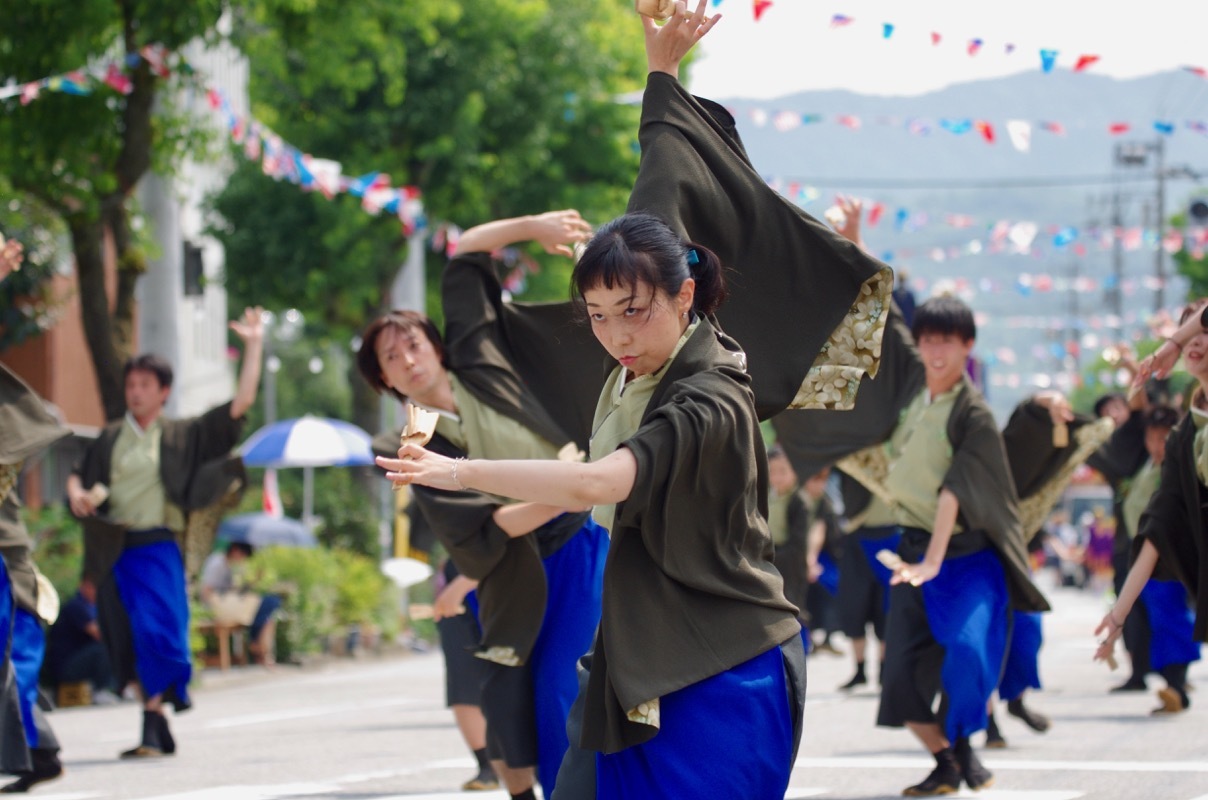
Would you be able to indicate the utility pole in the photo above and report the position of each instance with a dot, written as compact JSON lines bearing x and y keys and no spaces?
{"x":1159,"y":297}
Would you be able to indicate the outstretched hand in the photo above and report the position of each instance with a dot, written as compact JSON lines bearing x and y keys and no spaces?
{"x":251,"y":326}
{"x":851,"y":208}
{"x":667,"y":44}
{"x":11,"y":256}
{"x":557,"y":231}
{"x":1113,"y":631}
{"x":417,"y":465}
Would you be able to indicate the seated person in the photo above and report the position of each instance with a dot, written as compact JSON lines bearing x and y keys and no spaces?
{"x":224,"y":591}
{"x":74,"y":650}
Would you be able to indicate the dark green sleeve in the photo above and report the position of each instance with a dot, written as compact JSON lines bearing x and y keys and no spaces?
{"x":1124,"y":453}
{"x":1165,"y":521}
{"x":793,"y":279}
{"x":214,"y":434}
{"x":799,"y":523}
{"x":534,"y":362}
{"x":1028,"y":438}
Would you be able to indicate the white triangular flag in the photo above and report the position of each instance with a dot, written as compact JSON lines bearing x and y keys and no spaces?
{"x":1020,"y":132}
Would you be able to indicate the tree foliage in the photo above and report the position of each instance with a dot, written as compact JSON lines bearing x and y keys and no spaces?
{"x":83,"y":156}
{"x":27,"y":306}
{"x":493,"y":107}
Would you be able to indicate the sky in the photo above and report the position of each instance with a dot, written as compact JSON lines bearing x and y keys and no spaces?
{"x":793,"y":47}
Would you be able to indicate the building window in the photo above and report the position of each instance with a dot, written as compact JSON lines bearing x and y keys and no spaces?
{"x":194,"y":271}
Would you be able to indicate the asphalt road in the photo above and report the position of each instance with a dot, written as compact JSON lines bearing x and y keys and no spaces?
{"x":377,"y":728}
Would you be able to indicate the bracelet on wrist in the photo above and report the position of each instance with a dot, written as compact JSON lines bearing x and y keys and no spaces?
{"x":453,"y":474}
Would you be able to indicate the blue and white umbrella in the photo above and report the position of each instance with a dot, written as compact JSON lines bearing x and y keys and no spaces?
{"x":308,"y":442}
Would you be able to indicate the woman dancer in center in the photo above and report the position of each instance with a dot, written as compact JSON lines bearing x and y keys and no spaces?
{"x":696,"y":633}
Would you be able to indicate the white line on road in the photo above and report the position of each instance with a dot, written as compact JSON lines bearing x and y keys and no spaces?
{"x":270,"y":792}
{"x":1021,"y":766}
{"x":303,"y":713}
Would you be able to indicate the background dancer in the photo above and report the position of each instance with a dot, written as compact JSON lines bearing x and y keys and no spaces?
{"x":503,"y":380}
{"x":28,"y":746}
{"x":133,"y":489}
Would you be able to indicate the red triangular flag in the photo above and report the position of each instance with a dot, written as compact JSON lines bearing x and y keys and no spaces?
{"x":1084,"y":62}
{"x":760,"y":7}
{"x":1117,"y":128}
{"x":272,"y":498}
{"x":985,"y":129}
{"x":935,"y":38}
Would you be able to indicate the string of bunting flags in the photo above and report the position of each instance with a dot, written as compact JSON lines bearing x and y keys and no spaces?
{"x":278,"y":158}
{"x":1004,"y":236}
{"x":1047,"y":58}
{"x":1019,"y":132}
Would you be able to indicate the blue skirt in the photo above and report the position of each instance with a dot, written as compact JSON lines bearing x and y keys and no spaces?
{"x":21,"y":633}
{"x":728,"y":737}
{"x":872,"y":547}
{"x":151,"y":582}
{"x":575,"y":582}
{"x":967,"y":610}
{"x":829,"y":579}
{"x":1022,"y":670}
{"x":1172,"y":623}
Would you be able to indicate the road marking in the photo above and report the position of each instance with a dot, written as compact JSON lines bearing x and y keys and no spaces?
{"x":304,"y":713}
{"x":270,"y":792}
{"x":1020,"y":766}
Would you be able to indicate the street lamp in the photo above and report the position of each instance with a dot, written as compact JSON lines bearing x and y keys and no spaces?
{"x":287,"y":329}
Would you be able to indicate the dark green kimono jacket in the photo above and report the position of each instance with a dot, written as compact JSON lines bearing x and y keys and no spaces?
{"x":537,"y":364}
{"x":691,"y":541}
{"x":26,"y":429}
{"x":1174,"y":522}
{"x":790,"y":556}
{"x":195,"y":464}
{"x":980,"y":475}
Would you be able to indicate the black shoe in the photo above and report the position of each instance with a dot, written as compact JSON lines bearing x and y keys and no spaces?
{"x":46,"y":767}
{"x":1133,"y":684}
{"x":1037,"y":722}
{"x":973,"y":772}
{"x":857,"y":680}
{"x":944,"y":779}
{"x":157,"y":739}
{"x":484,"y":781}
{"x":994,"y":739}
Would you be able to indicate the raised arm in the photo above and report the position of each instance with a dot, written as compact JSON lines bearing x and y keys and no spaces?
{"x":553,"y":483}
{"x":10,"y":256}
{"x":250,"y":328}
{"x":555,"y":231}
{"x":1162,"y":361}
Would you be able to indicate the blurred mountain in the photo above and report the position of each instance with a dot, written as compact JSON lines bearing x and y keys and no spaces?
{"x":902,"y":157}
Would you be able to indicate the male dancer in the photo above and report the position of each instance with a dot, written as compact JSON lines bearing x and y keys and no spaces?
{"x":133,"y":490}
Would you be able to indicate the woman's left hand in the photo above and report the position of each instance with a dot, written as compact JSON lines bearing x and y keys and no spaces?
{"x":916,"y":574}
{"x":417,"y":465}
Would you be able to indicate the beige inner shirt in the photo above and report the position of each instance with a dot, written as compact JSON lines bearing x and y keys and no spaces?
{"x":483,"y":432}
{"x":919,"y":457}
{"x":136,"y":494}
{"x":619,"y":414}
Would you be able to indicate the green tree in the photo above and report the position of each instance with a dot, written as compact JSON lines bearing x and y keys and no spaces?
{"x":492,"y":107}
{"x":27,"y":306}
{"x":83,"y":156}
{"x":1195,"y":270}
